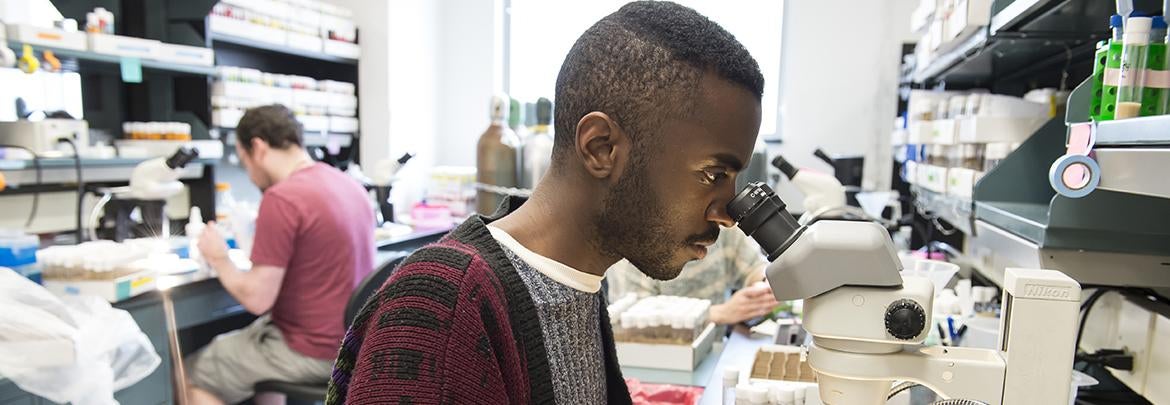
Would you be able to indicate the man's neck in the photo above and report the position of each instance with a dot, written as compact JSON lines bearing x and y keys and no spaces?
{"x":555,"y":225}
{"x":287,"y":162}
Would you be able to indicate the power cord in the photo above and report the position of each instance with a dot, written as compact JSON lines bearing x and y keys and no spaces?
{"x":1087,"y":307}
{"x":32,"y":214}
{"x":80,"y":185}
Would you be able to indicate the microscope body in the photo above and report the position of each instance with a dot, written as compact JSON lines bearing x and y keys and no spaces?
{"x":868,"y":323}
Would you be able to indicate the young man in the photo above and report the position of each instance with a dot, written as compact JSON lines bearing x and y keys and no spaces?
{"x":313,"y":244}
{"x":734,"y":261}
{"x":657,"y":110}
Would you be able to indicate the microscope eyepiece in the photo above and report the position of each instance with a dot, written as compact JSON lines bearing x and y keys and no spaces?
{"x":760,"y":214}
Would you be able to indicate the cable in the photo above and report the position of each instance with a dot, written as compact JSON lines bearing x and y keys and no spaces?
{"x":80,"y":186}
{"x":1087,"y":307}
{"x":898,"y":389}
{"x":36,"y":202}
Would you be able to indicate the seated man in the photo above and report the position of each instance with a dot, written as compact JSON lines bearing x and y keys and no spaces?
{"x":314,"y":243}
{"x":657,"y":111}
{"x":733,"y":262}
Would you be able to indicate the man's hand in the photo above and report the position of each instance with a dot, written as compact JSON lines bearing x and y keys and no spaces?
{"x":747,"y":303}
{"x":212,"y":245}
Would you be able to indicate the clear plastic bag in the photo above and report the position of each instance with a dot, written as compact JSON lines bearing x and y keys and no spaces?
{"x":71,"y":349}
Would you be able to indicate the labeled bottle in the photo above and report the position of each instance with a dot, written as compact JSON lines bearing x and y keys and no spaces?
{"x":194,"y":229}
{"x":730,"y":380}
{"x":495,"y":160}
{"x":537,"y":147}
{"x":225,"y":204}
{"x":1135,"y":44}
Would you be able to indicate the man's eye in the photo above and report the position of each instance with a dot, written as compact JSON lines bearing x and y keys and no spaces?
{"x":711,"y":177}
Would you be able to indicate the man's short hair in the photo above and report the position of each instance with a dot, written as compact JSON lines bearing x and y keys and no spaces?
{"x":641,"y":65}
{"x":275,"y":124}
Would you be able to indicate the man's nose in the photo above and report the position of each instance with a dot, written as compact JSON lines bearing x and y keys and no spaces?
{"x":717,"y":213}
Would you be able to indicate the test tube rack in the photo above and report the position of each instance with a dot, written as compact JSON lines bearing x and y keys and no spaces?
{"x":1104,"y":101}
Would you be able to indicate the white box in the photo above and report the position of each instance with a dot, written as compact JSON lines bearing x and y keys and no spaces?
{"x":668,"y":357}
{"x":243,"y":29}
{"x":998,"y":129}
{"x":344,"y":125}
{"x":310,"y":98}
{"x":998,"y":105}
{"x":311,"y":43}
{"x":51,"y":37}
{"x":919,"y":132}
{"x":342,"y":49}
{"x":333,"y":86}
{"x":966,"y":18}
{"x":943,"y":132}
{"x":342,"y":101}
{"x":960,"y":182}
{"x":314,"y":123}
{"x":932,"y":178}
{"x":190,"y":55}
{"x":240,"y":91}
{"x":115,"y":290}
{"x":280,"y":95}
{"x":226,"y":117}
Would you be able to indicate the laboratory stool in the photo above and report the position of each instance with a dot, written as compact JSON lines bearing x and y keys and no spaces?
{"x":298,"y":393}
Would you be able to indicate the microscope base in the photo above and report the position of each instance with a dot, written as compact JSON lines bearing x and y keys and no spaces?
{"x":847,"y":378}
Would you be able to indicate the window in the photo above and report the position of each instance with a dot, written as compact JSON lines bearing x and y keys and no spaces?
{"x":542,"y":31}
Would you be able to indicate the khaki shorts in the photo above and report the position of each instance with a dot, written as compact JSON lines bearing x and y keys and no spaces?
{"x":235,"y":361}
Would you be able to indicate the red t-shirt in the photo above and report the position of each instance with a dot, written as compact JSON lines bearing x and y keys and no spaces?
{"x":318,"y":225}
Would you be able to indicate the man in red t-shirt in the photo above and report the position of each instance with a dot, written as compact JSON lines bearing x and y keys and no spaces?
{"x":313,"y":244}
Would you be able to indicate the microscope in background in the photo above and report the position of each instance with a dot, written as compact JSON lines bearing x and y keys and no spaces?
{"x":142,"y":204}
{"x":868,"y":321}
{"x":382,"y":180}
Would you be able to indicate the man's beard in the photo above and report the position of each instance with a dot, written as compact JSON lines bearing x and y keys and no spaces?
{"x":632,"y":224}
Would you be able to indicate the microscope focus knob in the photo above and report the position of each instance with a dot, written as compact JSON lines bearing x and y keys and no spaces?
{"x":905,"y":319}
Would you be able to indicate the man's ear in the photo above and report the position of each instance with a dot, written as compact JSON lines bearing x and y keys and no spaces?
{"x":259,"y":147}
{"x":602,"y":145}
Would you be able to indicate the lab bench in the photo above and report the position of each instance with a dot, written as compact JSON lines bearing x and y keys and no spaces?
{"x":203,"y":309}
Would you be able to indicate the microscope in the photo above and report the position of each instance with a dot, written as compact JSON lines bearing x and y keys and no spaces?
{"x":868,"y":322}
{"x":151,"y":183}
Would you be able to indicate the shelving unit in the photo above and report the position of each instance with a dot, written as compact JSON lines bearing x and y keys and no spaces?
{"x":99,"y":60}
{"x":1025,"y":42}
{"x":221,"y":40}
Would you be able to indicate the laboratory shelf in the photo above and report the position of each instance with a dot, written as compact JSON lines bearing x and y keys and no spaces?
{"x":1051,"y":16}
{"x":271,"y":47}
{"x":113,"y":61}
{"x":1142,"y":131}
{"x":983,"y":58}
{"x":1140,"y":171}
{"x":1025,"y":37}
{"x":63,"y":171}
{"x":957,"y":211}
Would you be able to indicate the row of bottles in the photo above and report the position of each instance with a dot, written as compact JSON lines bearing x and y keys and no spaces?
{"x":512,"y":155}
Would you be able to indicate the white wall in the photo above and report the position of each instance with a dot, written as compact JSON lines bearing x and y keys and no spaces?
{"x":471,"y":67}
{"x":838,"y":84}
{"x":426,"y":87}
{"x":398,"y":84}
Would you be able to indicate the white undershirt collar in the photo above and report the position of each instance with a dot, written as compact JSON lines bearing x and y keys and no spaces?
{"x":559,"y":272}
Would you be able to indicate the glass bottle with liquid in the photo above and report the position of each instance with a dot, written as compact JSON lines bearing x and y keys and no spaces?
{"x":1135,"y":44}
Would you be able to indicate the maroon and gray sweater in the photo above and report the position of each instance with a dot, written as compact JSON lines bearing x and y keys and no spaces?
{"x":456,"y":324}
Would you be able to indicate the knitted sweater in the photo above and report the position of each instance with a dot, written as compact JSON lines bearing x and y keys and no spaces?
{"x":455,"y":324}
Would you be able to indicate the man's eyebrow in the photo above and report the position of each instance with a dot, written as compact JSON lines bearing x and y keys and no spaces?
{"x":729,"y":160}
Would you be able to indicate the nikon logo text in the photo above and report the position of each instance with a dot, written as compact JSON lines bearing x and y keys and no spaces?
{"x":1044,"y":291}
